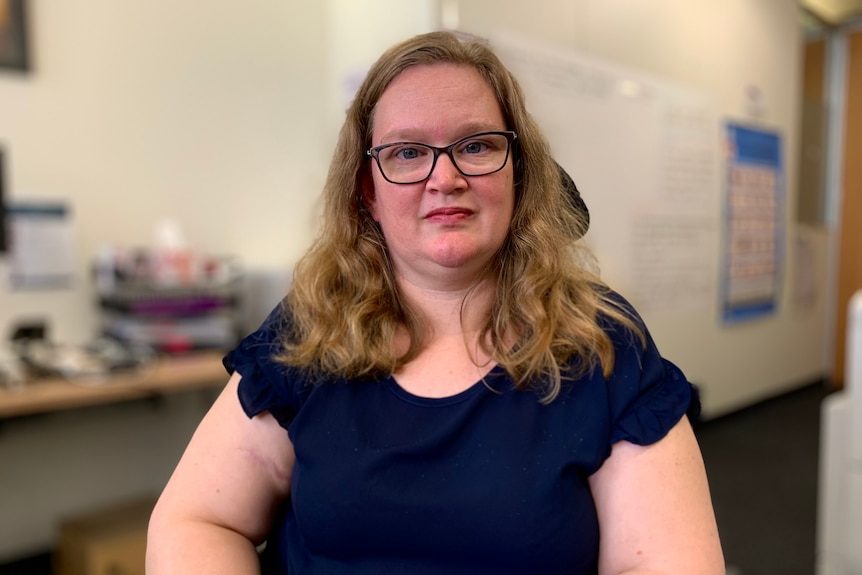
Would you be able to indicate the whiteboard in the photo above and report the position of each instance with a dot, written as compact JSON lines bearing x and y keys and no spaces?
{"x":644,"y":154}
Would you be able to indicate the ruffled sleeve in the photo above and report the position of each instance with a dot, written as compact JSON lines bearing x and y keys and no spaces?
{"x":660,"y":404}
{"x":266,"y":384}
{"x":648,"y":394}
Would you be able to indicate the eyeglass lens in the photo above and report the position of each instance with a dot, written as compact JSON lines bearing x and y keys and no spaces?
{"x":476,"y":155}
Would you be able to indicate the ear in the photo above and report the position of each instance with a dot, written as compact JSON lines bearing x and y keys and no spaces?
{"x":367,"y":196}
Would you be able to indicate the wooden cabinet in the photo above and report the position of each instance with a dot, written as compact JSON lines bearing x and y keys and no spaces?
{"x":110,"y":541}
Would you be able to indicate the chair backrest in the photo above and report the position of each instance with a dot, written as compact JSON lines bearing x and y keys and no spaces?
{"x":575,"y":196}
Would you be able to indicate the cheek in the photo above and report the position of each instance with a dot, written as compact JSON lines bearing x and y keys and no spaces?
{"x":392,"y":203}
{"x":369,"y":197}
{"x":383,"y":207}
{"x":506,"y":199}
{"x":371,"y":204}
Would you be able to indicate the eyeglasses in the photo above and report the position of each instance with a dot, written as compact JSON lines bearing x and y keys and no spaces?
{"x":412,"y":162}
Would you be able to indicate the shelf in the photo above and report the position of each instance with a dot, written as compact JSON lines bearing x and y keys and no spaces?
{"x":166,"y":375}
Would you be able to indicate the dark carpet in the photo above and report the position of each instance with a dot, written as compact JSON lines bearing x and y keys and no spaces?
{"x":762,"y":464}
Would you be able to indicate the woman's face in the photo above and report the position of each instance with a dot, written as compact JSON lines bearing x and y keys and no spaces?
{"x":445,"y":228}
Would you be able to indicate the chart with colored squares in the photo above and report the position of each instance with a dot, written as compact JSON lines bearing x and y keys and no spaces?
{"x":754,"y":226}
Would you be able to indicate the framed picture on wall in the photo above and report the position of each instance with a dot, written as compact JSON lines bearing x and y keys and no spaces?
{"x":13,"y":35}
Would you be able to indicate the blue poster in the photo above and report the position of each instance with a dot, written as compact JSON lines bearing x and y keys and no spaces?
{"x":753,"y":243}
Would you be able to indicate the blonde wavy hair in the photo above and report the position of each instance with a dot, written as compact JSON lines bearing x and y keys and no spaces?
{"x":345,"y":305}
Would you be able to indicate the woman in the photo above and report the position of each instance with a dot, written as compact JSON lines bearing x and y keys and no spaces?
{"x":443,"y":390}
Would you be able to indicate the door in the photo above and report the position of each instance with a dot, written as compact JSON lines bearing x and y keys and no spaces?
{"x":850,"y":238}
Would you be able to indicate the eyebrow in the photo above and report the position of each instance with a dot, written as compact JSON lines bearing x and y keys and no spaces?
{"x":415,"y":135}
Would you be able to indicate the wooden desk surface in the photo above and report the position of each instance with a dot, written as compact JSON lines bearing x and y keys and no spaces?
{"x":164,"y":375}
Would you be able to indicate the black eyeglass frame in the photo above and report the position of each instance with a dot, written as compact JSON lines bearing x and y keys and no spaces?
{"x":510,"y":136}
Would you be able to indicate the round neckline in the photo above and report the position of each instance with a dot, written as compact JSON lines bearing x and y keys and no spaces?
{"x":459,"y":397}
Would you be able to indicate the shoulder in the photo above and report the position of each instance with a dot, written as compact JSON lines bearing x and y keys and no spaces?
{"x":258,"y":351}
{"x":619,"y":319}
{"x":267,"y":383}
{"x":647,"y":393}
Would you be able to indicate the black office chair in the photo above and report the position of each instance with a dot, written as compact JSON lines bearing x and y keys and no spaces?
{"x":576,"y":200}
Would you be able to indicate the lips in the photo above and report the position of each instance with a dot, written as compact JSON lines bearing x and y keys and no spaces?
{"x":448,"y":213}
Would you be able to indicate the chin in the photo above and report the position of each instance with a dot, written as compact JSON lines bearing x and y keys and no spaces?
{"x":460,"y":258}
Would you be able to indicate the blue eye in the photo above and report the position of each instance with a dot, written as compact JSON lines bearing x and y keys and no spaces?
{"x":474,"y":147}
{"x":407,"y":153}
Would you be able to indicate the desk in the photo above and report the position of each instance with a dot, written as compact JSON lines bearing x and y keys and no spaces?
{"x":162,"y":376}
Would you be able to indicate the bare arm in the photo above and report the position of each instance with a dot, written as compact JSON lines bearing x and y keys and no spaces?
{"x":654,"y":508}
{"x":219,"y":502}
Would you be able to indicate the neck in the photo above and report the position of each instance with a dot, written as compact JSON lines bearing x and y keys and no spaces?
{"x":460,"y":311}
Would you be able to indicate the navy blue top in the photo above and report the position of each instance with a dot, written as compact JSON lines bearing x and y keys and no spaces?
{"x":486,"y":481}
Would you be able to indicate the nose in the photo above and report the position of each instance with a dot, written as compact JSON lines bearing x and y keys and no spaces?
{"x":445,"y":176}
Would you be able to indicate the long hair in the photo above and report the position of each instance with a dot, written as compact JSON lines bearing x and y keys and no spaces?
{"x":346,"y":306}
